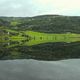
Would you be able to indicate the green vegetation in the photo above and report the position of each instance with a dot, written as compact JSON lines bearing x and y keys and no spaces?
{"x":29,"y":38}
{"x":38,"y":38}
{"x":14,"y":23}
{"x":47,"y":37}
{"x":45,"y":23}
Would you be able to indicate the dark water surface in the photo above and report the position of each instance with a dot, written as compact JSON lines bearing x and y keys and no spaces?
{"x":40,"y":70}
{"x":45,"y":52}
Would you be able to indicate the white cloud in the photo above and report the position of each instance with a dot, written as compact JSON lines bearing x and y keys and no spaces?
{"x":60,"y":4}
{"x":36,"y":7}
{"x":62,"y":7}
{"x":67,"y":4}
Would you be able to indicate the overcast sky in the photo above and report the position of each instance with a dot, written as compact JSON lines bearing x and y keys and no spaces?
{"x":39,"y":7}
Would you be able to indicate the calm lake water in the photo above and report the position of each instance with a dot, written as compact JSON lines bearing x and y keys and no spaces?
{"x":40,"y":70}
{"x":48,"y":61}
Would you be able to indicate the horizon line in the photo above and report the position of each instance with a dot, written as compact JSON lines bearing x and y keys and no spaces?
{"x":44,"y":15}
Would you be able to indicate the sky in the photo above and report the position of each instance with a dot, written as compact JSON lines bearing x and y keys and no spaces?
{"x":25,"y":8}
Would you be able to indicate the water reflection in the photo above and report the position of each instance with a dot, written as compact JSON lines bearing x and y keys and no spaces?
{"x":40,"y":70}
{"x":39,"y":46}
{"x":47,"y":51}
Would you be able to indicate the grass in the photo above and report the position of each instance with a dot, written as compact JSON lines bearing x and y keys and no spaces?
{"x":39,"y":38}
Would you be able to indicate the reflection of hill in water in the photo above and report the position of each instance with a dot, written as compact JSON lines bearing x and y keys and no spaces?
{"x":49,"y":51}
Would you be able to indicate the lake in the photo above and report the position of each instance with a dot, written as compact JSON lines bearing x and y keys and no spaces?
{"x":29,"y":69}
{"x":38,"y":56}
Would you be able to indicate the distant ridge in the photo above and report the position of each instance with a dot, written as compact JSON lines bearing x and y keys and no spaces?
{"x":43,"y":23}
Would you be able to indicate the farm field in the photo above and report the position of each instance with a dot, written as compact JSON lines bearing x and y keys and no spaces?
{"x":29,"y":38}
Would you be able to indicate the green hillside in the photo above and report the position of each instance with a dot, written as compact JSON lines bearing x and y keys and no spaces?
{"x":45,"y":37}
{"x":44,"y":23}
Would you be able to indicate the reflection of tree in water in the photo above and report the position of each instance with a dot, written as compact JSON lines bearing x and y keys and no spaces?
{"x":56,"y":51}
{"x":4,"y":53}
{"x":49,"y":51}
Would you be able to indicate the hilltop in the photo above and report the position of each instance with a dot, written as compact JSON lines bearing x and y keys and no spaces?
{"x":43,"y":23}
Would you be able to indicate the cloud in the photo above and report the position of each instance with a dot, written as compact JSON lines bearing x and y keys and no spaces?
{"x":16,"y":8}
{"x":64,"y":7}
{"x":37,"y":7}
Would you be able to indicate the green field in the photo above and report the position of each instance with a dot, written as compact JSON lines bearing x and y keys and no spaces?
{"x":38,"y":38}
{"x":29,"y":38}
